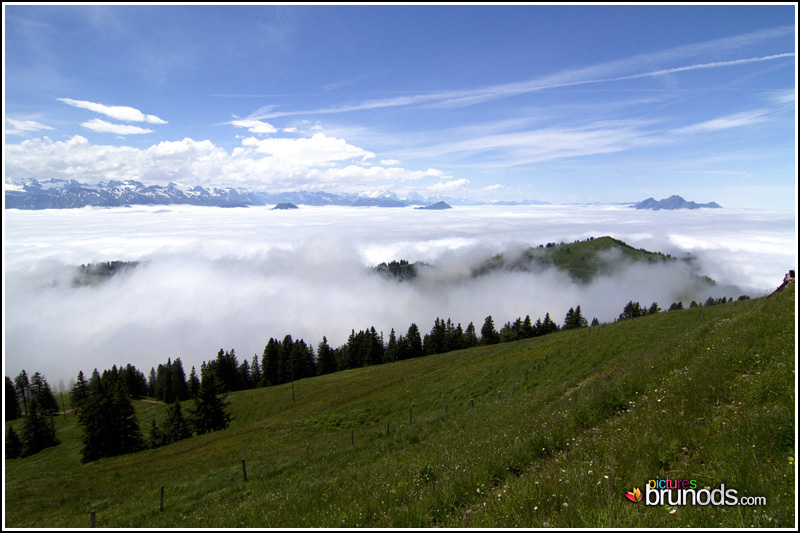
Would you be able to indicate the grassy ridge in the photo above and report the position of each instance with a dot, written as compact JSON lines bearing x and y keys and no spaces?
{"x":562,"y":426}
{"x":585,"y":259}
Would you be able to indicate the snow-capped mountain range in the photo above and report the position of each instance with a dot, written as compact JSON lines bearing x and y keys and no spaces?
{"x":66,"y":194}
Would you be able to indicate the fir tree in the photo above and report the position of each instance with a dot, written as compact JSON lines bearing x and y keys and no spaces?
{"x":326,"y":362}
{"x":255,"y":372}
{"x":209,"y":410}
{"x":414,"y":342}
{"x":13,"y":444}
{"x":489,"y":335}
{"x":22,"y":383}
{"x":109,"y":421}
{"x":194,"y":383}
{"x":575,"y":319}
{"x":390,"y":355}
{"x":155,"y":439}
{"x":180,"y":389}
{"x":175,"y":427}
{"x":80,"y":392}
{"x":37,"y":432}
{"x":469,"y":339}
{"x":12,"y":410}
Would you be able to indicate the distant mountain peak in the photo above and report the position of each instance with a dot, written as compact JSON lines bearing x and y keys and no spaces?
{"x":672,"y":203}
{"x":438,"y":206}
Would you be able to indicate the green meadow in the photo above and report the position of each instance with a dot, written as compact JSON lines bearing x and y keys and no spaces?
{"x":547,"y":432}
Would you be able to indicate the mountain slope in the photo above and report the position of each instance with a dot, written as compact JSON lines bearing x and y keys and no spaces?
{"x":551,"y":431}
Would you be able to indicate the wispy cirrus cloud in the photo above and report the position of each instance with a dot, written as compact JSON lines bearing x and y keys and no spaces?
{"x":21,"y":127}
{"x":523,"y":147}
{"x":124,"y":113}
{"x":736,"y":120}
{"x":618,"y":70}
{"x":103,"y":126}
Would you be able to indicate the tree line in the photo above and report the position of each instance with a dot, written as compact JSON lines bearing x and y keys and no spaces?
{"x":105,"y":411}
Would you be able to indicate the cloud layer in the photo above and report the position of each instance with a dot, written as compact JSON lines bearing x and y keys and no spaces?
{"x":220,"y":278}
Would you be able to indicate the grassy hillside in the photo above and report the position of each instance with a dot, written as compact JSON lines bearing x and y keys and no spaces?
{"x":581,"y":259}
{"x":585,"y":259}
{"x":550,"y":431}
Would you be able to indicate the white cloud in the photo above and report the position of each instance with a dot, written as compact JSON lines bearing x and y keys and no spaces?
{"x":448,"y":186}
{"x":21,"y":127}
{"x":124,"y":113}
{"x":390,"y":162}
{"x":318,"y":150}
{"x":319,"y":162}
{"x":102,"y":126}
{"x":311,"y":265}
{"x":254,"y":126}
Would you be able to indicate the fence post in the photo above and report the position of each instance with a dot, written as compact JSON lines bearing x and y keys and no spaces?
{"x":352,"y":439}
{"x":445,"y":408}
{"x":93,"y":515}
{"x":387,"y":428}
{"x":410,"y":417}
{"x":162,"y":499}
{"x":244,"y":470}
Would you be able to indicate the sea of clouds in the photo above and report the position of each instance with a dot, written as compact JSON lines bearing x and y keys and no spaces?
{"x":212,"y":278}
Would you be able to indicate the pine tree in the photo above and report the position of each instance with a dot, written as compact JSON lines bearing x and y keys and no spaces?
{"x":548,"y":326}
{"x":469,"y":339}
{"x":12,"y":410}
{"x":22,"y":384}
{"x":245,"y":381}
{"x":269,"y":363}
{"x":527,"y":328}
{"x":414,"y":342}
{"x":575,"y":319}
{"x":390,"y":355}
{"x":109,"y":421}
{"x":209,"y":409}
{"x":326,"y":363}
{"x":151,"y":383}
{"x":180,"y":389}
{"x":37,"y":432}
{"x":255,"y":372}
{"x":489,"y":335}
{"x":194,"y":383}
{"x":155,"y":439}
{"x":13,"y":444}
{"x":80,"y":392}
{"x":175,"y":427}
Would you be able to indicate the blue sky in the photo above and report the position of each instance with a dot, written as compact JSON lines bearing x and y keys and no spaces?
{"x":550,"y":103}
